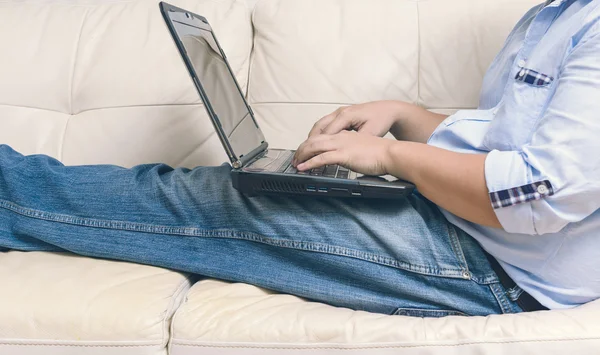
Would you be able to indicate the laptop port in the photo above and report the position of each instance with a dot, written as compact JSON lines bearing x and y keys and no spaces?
{"x":323,"y":189}
{"x":311,"y":189}
{"x":356,"y":193}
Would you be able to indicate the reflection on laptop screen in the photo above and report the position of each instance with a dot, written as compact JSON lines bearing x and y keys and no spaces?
{"x":219,"y":85}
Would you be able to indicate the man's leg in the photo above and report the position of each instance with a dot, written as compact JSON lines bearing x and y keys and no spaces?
{"x":382,"y":256}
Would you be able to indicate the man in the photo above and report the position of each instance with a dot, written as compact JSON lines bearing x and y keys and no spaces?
{"x":518,"y":178}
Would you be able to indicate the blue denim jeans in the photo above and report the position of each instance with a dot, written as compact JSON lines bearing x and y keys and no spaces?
{"x":392,"y":257}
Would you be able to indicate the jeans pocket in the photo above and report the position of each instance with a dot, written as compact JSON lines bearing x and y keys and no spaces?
{"x":427,"y":313}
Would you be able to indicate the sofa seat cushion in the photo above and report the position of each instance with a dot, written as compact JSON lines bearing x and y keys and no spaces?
{"x":223,"y":318}
{"x":55,"y":303}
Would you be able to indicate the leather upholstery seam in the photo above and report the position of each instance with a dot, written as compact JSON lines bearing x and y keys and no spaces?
{"x":61,"y":149}
{"x":370,"y":347}
{"x":70,"y":3}
{"x":166,"y":334}
{"x":85,"y":345}
{"x":64,"y":133}
{"x":176,"y":342}
{"x":256,"y":103}
{"x":201,"y":105}
{"x":72,"y":79}
{"x":101,"y":108}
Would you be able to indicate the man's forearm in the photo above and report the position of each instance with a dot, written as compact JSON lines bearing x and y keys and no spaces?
{"x":453,"y":181}
{"x":415,"y":124}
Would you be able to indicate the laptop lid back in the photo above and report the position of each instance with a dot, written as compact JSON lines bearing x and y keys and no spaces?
{"x":223,"y":99}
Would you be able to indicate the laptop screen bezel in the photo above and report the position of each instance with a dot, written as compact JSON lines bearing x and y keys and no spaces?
{"x":238,"y":159}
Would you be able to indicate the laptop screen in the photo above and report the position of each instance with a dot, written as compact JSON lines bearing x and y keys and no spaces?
{"x":222,"y":92}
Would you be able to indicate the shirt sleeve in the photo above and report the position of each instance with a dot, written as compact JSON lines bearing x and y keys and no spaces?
{"x":555,"y":179}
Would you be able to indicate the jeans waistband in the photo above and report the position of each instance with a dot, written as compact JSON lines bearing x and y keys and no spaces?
{"x":525,"y":300}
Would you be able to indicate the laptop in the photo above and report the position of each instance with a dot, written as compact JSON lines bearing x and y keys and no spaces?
{"x":257,"y":169}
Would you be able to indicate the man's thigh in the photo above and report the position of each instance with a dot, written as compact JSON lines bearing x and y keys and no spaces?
{"x":409,"y":233}
{"x":402,"y":253}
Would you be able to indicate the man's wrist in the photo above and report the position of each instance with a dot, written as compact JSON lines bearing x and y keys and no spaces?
{"x":402,"y":113}
{"x":414,"y":123}
{"x":395,"y":164}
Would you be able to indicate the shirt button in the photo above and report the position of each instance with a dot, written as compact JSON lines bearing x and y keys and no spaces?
{"x":522,"y":63}
{"x":542,"y":190}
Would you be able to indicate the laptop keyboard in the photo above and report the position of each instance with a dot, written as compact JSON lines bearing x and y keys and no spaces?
{"x":330,"y":171}
{"x":281,"y":162}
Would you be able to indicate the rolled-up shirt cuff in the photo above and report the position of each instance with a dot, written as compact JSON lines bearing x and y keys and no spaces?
{"x":508,"y":181}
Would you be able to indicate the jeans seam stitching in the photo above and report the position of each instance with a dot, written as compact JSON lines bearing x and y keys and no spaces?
{"x":503,"y":301}
{"x":197,"y":232}
{"x":456,"y":247}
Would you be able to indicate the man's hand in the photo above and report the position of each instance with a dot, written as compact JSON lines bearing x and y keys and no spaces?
{"x":373,"y":118}
{"x":403,"y":120}
{"x":334,"y":139}
{"x":362,"y":153}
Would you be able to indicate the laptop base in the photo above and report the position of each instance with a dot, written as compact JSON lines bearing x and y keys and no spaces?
{"x":253,"y":184}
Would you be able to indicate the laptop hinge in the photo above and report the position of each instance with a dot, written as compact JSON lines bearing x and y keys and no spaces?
{"x":244,"y":160}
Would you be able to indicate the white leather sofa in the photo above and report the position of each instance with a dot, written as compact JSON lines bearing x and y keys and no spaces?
{"x":100,"y":81}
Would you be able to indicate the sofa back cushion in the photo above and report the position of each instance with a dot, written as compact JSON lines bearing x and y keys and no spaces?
{"x":96,"y":81}
{"x":311,"y":56}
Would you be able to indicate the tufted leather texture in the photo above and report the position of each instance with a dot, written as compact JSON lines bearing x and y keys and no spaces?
{"x":93,"y":81}
{"x":312,"y":56}
{"x":99,"y":81}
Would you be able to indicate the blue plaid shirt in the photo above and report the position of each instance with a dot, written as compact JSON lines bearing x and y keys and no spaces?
{"x":539,"y":122}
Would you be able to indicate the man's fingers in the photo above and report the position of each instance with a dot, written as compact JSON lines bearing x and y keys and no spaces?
{"x":313,"y":146}
{"x":343,"y":121}
{"x":327,"y":158}
{"x":324,"y":122}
